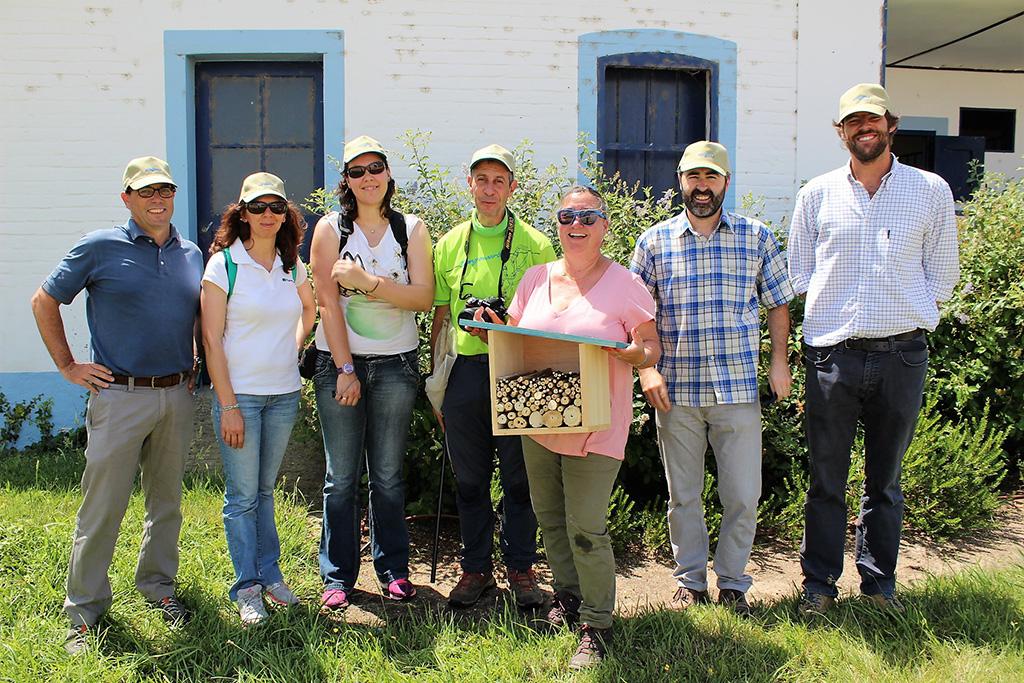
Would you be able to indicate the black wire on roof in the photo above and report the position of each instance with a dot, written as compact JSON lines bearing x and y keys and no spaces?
{"x":957,"y":40}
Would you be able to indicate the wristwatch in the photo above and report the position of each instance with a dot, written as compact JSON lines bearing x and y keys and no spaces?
{"x":346,"y":369}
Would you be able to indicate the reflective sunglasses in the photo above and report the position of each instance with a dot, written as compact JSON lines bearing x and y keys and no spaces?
{"x":167,"y":191}
{"x":279,"y":207}
{"x":585,"y":216}
{"x":375,"y":168}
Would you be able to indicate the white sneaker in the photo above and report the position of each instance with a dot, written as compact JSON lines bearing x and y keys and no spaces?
{"x":280,"y":595}
{"x":250,"y":605}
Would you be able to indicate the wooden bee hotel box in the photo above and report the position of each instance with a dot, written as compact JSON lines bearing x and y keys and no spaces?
{"x":546,"y":383}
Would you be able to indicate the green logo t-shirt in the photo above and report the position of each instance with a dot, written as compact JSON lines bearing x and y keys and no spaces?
{"x":529,"y":248}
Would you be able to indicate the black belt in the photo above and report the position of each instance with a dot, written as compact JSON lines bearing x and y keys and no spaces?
{"x":479,"y":358}
{"x":896,"y":342}
{"x":152,"y":382}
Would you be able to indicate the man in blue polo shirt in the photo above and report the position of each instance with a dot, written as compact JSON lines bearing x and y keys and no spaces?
{"x":143,"y":283}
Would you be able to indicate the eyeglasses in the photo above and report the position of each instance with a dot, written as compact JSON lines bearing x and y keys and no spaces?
{"x":257,"y":208}
{"x":375,"y":168}
{"x":585,"y":216}
{"x":167,"y":191}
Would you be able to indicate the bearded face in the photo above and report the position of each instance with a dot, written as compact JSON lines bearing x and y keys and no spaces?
{"x":703,"y":191}
{"x":867,"y":136}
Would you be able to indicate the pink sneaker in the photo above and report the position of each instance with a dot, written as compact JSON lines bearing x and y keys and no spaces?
{"x":400,"y":589}
{"x":333,"y":599}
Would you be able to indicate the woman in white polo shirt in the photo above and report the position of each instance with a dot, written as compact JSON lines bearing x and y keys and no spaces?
{"x":257,"y":309}
{"x":367,"y":372}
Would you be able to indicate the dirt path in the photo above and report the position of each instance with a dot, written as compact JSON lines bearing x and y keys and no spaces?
{"x":775,"y":568}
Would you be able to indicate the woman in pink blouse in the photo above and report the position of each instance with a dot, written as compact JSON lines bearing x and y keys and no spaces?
{"x":571,"y":475}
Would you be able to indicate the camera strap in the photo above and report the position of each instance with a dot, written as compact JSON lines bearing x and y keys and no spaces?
{"x":506,"y":250}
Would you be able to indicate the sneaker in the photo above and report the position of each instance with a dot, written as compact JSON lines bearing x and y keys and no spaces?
{"x":173,"y":611}
{"x":886,"y":603}
{"x":77,"y":640}
{"x":470,"y":589}
{"x":524,"y":587}
{"x":250,"y":605}
{"x":815,"y":603}
{"x":592,"y":648}
{"x":735,"y":600}
{"x":333,"y":600}
{"x":685,"y":598}
{"x":564,"y":612}
{"x":280,"y":595}
{"x":400,"y":589}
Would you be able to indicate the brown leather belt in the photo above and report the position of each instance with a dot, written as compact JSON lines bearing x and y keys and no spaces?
{"x":152,"y":382}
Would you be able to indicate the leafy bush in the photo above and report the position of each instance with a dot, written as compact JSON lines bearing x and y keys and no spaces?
{"x":976,"y":358}
{"x":978,"y":349}
{"x":14,"y":417}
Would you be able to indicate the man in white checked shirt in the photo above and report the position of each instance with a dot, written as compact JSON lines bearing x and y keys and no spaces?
{"x":708,"y":271}
{"x":874,"y":245}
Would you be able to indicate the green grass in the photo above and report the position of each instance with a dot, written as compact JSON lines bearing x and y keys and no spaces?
{"x":968,"y":627}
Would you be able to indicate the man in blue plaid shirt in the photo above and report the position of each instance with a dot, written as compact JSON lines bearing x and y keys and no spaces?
{"x":874,"y":245}
{"x":708,"y":271}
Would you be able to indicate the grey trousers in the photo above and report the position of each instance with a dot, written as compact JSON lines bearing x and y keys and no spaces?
{"x":734,"y":432}
{"x":570,"y":497}
{"x":147,"y":429}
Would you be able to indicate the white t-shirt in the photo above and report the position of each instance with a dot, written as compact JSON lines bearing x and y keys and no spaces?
{"x":375,"y":327}
{"x":259,"y":332}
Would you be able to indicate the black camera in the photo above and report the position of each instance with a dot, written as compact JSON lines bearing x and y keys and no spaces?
{"x":495,"y":303}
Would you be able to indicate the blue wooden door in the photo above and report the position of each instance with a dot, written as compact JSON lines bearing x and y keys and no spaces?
{"x":650,"y":107}
{"x":256,"y":116}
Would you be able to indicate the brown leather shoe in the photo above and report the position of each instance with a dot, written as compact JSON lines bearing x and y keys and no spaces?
{"x":524,"y":587}
{"x":886,"y":603}
{"x":470,"y":589}
{"x":815,"y":603}
{"x":736,"y":601}
{"x":685,"y":598}
{"x":564,"y":612}
{"x":592,"y":649}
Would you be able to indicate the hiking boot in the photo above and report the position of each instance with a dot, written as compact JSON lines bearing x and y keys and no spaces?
{"x":280,"y":595}
{"x":77,"y":640}
{"x":250,"y":605}
{"x":886,"y":603}
{"x":524,"y":587}
{"x":593,"y":646}
{"x":815,"y":603}
{"x":333,"y":600}
{"x":685,"y":598}
{"x":736,"y":601}
{"x":399,"y":589}
{"x":172,"y":610}
{"x":564,"y":612}
{"x":470,"y":589}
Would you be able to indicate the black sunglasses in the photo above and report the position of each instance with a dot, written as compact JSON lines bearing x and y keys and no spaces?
{"x":375,"y":168}
{"x":585,"y":216}
{"x":167,"y":191}
{"x":257,"y":208}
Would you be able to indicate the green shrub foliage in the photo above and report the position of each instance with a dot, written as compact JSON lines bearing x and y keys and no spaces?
{"x":955,"y":465}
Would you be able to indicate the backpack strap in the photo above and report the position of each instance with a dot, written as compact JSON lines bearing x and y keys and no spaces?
{"x":232,"y":269}
{"x":401,"y":232}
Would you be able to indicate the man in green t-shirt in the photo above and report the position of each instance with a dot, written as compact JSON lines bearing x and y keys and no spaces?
{"x":482,"y":258}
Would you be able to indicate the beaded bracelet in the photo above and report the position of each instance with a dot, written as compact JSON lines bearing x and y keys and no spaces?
{"x":233,"y":406}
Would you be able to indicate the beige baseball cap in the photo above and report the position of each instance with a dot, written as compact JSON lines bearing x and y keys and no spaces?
{"x":146,"y":171}
{"x":868,"y":97}
{"x":495,"y":153}
{"x":362,"y":145}
{"x":259,"y":184}
{"x":704,"y":154}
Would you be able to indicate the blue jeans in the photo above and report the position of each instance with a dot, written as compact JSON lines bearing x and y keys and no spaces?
{"x":374,"y":431}
{"x":882,"y":390}
{"x":249,"y":476}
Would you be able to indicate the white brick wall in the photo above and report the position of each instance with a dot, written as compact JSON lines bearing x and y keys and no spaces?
{"x":82,"y":91}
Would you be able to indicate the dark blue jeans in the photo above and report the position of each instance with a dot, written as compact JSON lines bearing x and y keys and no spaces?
{"x":471,"y":447}
{"x":882,"y":390}
{"x":374,"y":431}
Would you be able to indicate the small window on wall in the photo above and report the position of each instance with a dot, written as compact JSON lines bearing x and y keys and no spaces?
{"x":995,"y":125}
